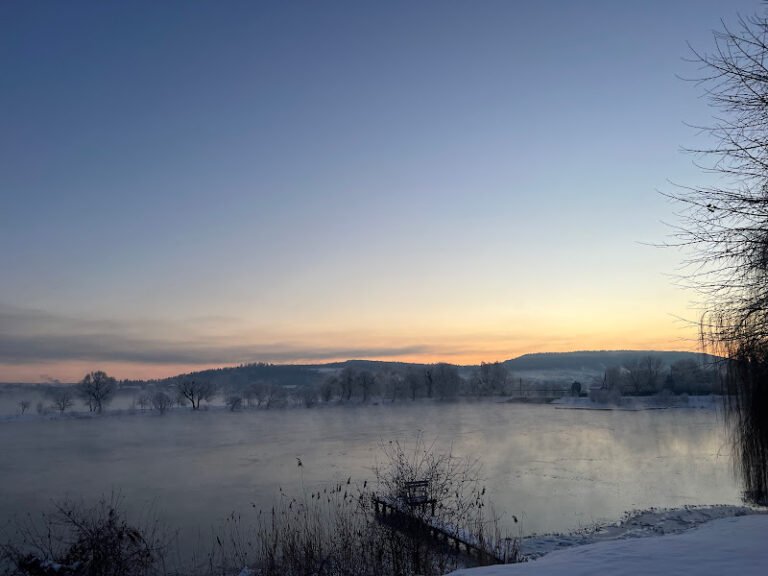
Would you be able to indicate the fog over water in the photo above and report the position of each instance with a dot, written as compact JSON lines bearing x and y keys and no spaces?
{"x":555,"y":469}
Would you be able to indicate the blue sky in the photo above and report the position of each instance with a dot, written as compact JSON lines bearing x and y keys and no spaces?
{"x":201,"y":183}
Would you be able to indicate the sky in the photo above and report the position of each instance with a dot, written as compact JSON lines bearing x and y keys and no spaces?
{"x":194,"y":184}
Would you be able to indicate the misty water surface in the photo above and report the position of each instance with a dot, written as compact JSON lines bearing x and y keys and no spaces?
{"x":554,"y":469}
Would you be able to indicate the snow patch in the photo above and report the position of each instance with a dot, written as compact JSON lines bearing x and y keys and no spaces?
{"x":733,"y":545}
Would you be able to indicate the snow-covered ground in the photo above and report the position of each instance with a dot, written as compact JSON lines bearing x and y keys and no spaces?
{"x":635,"y":524}
{"x":728,"y":545}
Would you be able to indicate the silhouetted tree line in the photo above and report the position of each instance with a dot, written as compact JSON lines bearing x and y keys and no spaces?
{"x":648,"y":375}
{"x":363,"y":383}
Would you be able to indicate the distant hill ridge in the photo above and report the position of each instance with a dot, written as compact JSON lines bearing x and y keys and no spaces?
{"x":586,"y":360}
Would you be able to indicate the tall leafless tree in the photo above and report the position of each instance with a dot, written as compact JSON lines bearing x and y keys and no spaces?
{"x":725,"y":226}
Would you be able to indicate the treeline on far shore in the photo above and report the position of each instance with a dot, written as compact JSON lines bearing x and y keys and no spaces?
{"x":363,"y":383}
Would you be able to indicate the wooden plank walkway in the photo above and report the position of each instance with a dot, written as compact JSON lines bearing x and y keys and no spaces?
{"x":384,"y":508}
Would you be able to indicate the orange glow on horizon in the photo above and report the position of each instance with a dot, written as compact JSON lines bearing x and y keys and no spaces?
{"x":469,"y":352}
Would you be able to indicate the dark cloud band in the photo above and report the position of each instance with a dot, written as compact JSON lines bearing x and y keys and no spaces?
{"x":33,"y":336}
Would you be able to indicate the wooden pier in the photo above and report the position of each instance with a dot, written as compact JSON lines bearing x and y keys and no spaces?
{"x":402,"y":514}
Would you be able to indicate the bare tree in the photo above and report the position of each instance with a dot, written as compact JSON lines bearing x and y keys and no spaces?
{"x":24,"y":406}
{"x":195,"y":391}
{"x":643,"y":374}
{"x":725,"y":228}
{"x":273,"y":395}
{"x":144,"y":401}
{"x":97,"y":389}
{"x":492,"y":379}
{"x":414,"y":380}
{"x":161,"y":401}
{"x":429,"y":381}
{"x":255,"y":393}
{"x":234,"y":402}
{"x":634,"y":375}
{"x":652,"y":367}
{"x":249,"y":395}
{"x":612,"y":379}
{"x":366,"y":383}
{"x":62,"y":398}
{"x":347,"y":378}
{"x":328,"y":388}
{"x":391,"y":384}
{"x":689,"y":376}
{"x":446,"y":380}
{"x":308,"y":395}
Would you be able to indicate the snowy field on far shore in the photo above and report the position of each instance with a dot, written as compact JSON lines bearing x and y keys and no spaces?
{"x":636,"y":403}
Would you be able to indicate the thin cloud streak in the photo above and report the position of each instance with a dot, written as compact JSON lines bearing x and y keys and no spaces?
{"x":105,"y":347}
{"x":32,"y":336}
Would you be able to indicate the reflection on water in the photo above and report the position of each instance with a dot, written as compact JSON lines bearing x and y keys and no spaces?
{"x":554,"y":469}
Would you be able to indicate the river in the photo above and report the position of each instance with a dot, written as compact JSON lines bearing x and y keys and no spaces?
{"x":554,"y":469}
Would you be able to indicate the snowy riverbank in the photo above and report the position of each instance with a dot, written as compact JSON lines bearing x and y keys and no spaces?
{"x":723,"y":540}
{"x":635,"y":524}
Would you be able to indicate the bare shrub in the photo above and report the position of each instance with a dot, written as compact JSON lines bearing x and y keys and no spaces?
{"x":62,"y":398}
{"x":335,"y":531}
{"x":79,"y":541}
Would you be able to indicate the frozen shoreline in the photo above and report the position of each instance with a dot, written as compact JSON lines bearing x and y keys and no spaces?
{"x":709,"y":540}
{"x":634,"y":524}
